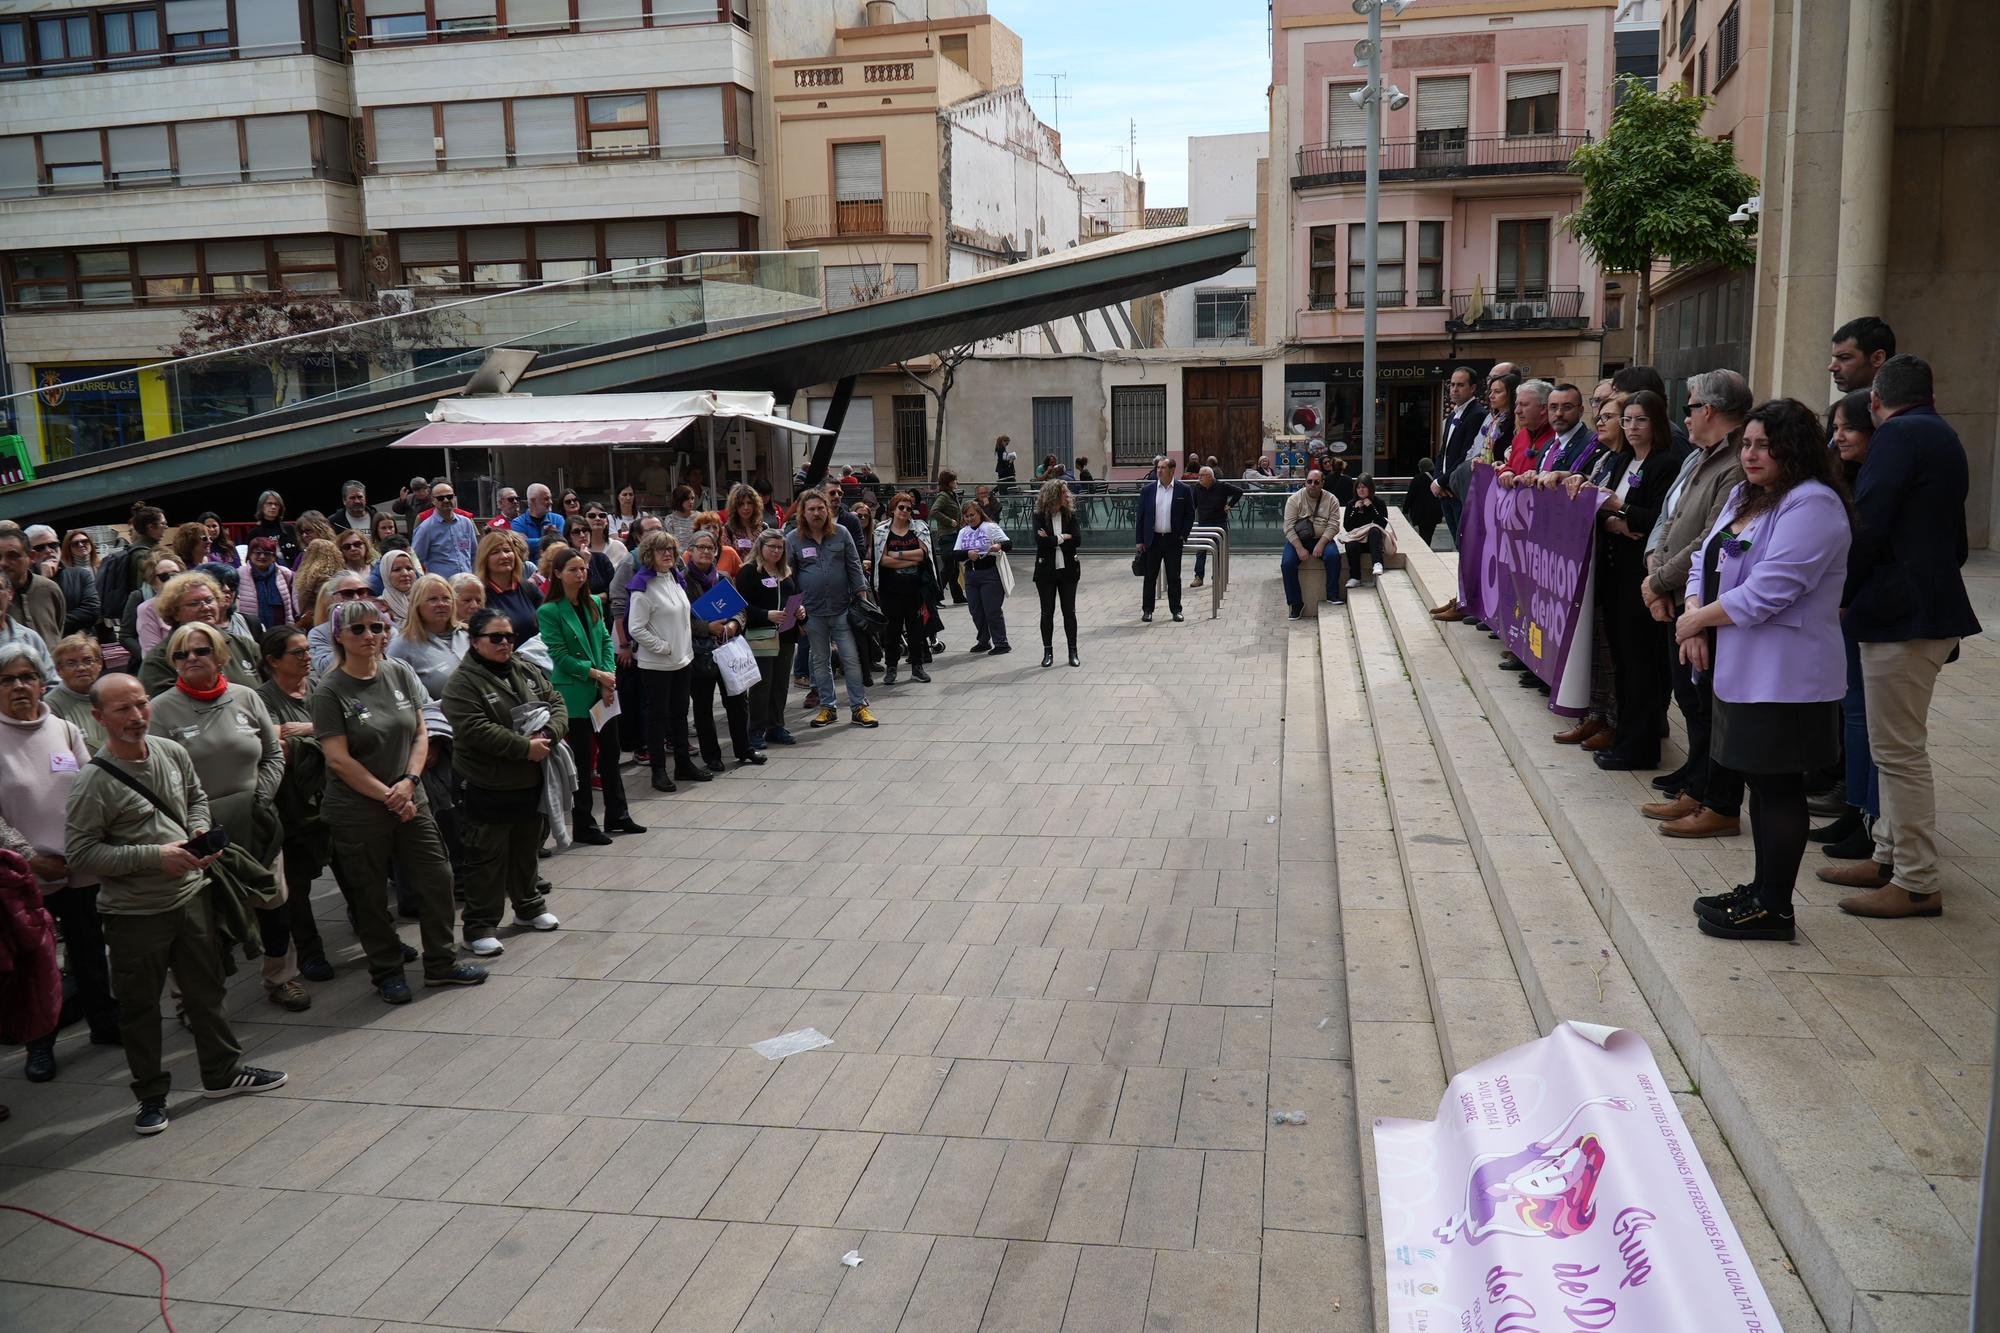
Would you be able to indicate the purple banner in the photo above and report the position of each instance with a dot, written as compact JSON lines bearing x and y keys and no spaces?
{"x":1559,"y":1188}
{"x":1524,"y":568}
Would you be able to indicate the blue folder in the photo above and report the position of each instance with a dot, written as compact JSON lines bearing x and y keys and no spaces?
{"x":722,"y":602}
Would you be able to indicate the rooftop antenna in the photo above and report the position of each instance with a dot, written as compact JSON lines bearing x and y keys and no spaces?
{"x":1056,"y":98}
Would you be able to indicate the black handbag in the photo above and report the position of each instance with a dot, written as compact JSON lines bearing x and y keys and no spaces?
{"x":1139,"y":566}
{"x":865,"y":617}
{"x":1303,"y":530}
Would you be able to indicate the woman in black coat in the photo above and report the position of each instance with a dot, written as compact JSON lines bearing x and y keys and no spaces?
{"x":769,"y":586}
{"x":1057,"y":538}
{"x":1636,"y":485}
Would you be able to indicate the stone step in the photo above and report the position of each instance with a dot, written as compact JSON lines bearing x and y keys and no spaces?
{"x":1793,"y":1091}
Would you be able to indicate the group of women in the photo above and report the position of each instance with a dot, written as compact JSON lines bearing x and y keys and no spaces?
{"x":1760,"y":617}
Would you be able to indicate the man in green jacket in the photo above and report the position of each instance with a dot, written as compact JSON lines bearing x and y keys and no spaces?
{"x":946,"y":517}
{"x":154,"y":898}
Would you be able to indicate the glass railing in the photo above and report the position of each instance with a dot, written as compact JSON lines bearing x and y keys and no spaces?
{"x":1108,"y":516}
{"x":268,"y":353}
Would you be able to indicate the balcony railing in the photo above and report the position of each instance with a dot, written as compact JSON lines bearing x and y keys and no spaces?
{"x":1439,"y":155}
{"x":122,"y":182}
{"x":1534,"y":308}
{"x":1387,"y":298}
{"x":821,"y":217}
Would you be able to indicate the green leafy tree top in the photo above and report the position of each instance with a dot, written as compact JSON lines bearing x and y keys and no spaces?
{"x":1656,"y":188}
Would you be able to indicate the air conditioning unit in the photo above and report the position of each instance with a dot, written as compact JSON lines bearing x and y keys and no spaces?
{"x":1528,"y":310}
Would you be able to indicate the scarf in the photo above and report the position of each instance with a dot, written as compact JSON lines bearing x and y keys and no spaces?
{"x":207,"y":696}
{"x":697,"y":583}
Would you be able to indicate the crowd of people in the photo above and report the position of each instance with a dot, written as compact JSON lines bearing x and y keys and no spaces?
{"x":1792,"y":583}
{"x":195,"y":724}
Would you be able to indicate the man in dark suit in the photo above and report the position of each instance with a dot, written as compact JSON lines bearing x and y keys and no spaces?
{"x":1907,"y":609}
{"x":1461,"y":428}
{"x":1166,"y":516}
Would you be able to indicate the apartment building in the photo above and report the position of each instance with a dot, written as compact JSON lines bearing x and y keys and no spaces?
{"x":1473,"y":263}
{"x":910,"y":155}
{"x":153,"y":157}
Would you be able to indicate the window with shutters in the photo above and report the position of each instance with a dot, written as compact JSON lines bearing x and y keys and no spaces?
{"x":475,"y":135}
{"x":1138,"y":424}
{"x":278,"y":148}
{"x":308,"y":263}
{"x":1430,"y":263}
{"x":745,"y":135}
{"x":602,"y":15}
{"x":430,"y":258}
{"x":1388,"y":264}
{"x":397,"y":21}
{"x":525,"y":18}
{"x":236,"y":267}
{"x":13,"y":49}
{"x":74,"y":160}
{"x":902,"y":279}
{"x":139,"y":155}
{"x":497,"y":256}
{"x":691,"y":122}
{"x":1728,"y":41}
{"x":1701,"y":72}
{"x":270,"y":29}
{"x":1532,"y":97}
{"x":693,"y":236}
{"x":1444,"y":109}
{"x":39,"y":280}
{"x":567,"y":250}
{"x":1324,"y":252}
{"x":668,"y":13}
{"x":912,"y":440}
{"x":63,"y":38}
{"x":210,"y":152}
{"x":852,"y":284}
{"x":1346,"y":123}
{"x":198,"y":29}
{"x":858,"y":203}
{"x":617,"y":125}
{"x":544,"y":131}
{"x":406,"y":138}
{"x":169,"y":274}
{"x":465,"y":16}
{"x":19,"y":178}
{"x":640,"y":246}
{"x":1521,"y":268}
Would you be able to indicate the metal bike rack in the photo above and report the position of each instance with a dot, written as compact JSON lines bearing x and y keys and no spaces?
{"x":1215,"y":541}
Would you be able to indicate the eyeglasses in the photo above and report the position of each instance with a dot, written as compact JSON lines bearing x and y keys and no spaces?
{"x":495,"y":639}
{"x":300,"y":651}
{"x":199,"y":650}
{"x":368,"y":627}
{"x":21,"y":680}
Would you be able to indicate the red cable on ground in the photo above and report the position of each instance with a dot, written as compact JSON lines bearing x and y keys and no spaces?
{"x":165,"y":1318}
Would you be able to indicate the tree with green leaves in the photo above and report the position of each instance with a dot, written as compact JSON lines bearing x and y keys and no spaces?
{"x":1654,"y":188}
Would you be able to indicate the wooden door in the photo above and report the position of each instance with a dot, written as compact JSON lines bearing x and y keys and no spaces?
{"x":1222,"y":414}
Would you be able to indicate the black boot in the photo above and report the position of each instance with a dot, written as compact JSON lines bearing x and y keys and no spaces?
{"x":1840,"y":830}
{"x":1856,"y":846}
{"x":41,"y":1066}
{"x":1074,"y":660}
{"x":1048,"y":656}
{"x":661,"y":782}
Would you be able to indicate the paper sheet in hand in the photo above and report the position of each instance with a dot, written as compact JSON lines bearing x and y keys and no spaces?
{"x":603,"y":711}
{"x":794,"y":608}
{"x":721,"y":602}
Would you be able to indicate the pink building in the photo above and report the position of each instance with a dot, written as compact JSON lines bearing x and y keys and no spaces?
{"x":1474,"y":266}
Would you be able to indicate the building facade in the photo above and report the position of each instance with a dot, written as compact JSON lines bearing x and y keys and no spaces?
{"x":1473,"y":263}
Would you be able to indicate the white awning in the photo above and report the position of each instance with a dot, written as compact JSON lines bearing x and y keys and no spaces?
{"x":526,"y":420}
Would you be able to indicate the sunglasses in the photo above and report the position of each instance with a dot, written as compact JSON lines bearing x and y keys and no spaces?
{"x":495,"y":639}
{"x":443,"y":497}
{"x":349,"y":594}
{"x":22,"y":681}
{"x":352,"y":546}
{"x":81,"y":542}
{"x":203,"y":650}
{"x":596,"y":514}
{"x":369,"y":627}
{"x":46,"y":546}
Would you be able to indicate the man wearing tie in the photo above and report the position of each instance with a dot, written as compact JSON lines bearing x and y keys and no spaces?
{"x":1166,"y":516}
{"x":1461,"y":428}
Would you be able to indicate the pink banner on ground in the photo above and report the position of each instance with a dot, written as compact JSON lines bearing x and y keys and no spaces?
{"x":1559,"y":1191}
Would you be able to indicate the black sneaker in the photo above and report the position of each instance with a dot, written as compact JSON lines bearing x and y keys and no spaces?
{"x":394,"y":992}
{"x":622,"y":825}
{"x":1178,"y":617}
{"x":410,"y":954}
{"x":1146,"y":618}
{"x":248,"y":1078}
{"x":1297,"y":611}
{"x":152,"y":1117}
{"x":692,"y":774}
{"x":1748,"y":920}
{"x":314,"y":967}
{"x":591,"y":837}
{"x":917,"y":673}
{"x":1672,"y":782}
{"x":461,"y":974}
{"x":1716,"y":905}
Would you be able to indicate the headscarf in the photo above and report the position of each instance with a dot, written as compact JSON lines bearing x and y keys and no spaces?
{"x":397,"y":603}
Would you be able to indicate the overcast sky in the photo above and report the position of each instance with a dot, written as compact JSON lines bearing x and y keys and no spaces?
{"x":1177,"y":67}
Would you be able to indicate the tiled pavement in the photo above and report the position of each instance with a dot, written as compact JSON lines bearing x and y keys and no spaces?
{"x":1073,"y":934}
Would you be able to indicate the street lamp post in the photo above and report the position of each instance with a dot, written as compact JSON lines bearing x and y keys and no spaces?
{"x":1370,"y":99}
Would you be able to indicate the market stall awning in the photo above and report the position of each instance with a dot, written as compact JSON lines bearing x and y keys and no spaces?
{"x":514,"y":421}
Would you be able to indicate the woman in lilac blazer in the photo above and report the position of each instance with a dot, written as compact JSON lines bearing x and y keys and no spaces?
{"x":1763,"y":617}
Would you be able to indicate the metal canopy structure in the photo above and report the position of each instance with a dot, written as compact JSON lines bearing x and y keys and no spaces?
{"x":781,"y":359}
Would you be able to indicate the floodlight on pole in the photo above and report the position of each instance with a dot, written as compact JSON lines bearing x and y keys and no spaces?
{"x":1371,"y":97}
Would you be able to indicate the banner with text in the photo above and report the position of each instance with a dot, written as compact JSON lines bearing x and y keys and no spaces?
{"x":1525,"y":567}
{"x":1559,"y":1188}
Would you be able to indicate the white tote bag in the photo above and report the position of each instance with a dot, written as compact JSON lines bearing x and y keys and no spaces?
{"x":738,"y":665}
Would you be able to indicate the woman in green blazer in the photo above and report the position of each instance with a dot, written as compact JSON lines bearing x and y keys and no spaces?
{"x":579,"y":642}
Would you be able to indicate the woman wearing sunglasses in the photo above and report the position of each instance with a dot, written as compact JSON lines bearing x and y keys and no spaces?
{"x":195,"y":598}
{"x":77,"y":577}
{"x":356,"y":552}
{"x":345,"y":586}
{"x":614,"y":551}
{"x":625,"y":514}
{"x":501,"y":772}
{"x":368,"y":716}
{"x":229,"y":735}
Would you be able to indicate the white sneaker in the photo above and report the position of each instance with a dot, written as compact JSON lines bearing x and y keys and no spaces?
{"x":487,"y":947}
{"x":1378,"y":566}
{"x":546,"y":921}
{"x":1354,"y":583}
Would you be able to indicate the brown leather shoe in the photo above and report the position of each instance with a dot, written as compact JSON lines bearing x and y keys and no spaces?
{"x":1603,"y":740}
{"x":1869,"y":874}
{"x":1581,"y":732}
{"x":1703,"y":823}
{"x":1451,"y":617}
{"x":1680,"y":807}
{"x":1893,"y":900}
{"x":1446,"y":609}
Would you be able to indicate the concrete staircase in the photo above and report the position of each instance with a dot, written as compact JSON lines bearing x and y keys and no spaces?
{"x":1493,"y":883}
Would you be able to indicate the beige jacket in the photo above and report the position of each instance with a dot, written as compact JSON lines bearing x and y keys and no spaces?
{"x":1700,"y":504}
{"x":1325,"y":515}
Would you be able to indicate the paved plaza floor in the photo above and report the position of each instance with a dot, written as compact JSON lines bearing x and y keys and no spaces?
{"x":1072,"y":932}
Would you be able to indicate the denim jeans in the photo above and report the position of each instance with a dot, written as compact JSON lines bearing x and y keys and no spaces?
{"x":823,"y":635}
{"x":1288,"y":570}
{"x":1864,"y":784}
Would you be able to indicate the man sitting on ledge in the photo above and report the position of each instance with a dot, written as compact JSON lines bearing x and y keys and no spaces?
{"x":1312,"y":517}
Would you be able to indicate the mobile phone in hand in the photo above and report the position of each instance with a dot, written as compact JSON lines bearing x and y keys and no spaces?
{"x":208,"y":843}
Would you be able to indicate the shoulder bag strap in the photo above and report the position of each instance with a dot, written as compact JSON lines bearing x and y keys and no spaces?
{"x":147,"y":792}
